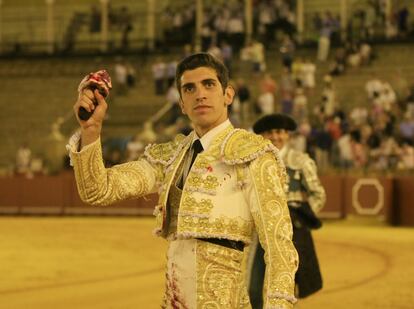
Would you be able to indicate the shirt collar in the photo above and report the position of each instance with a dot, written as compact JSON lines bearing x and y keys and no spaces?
{"x":283,"y":151}
{"x":207,"y":138}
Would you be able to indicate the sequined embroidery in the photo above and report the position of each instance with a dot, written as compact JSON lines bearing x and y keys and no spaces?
{"x":220,"y":281}
{"x":190,"y":204}
{"x":222,"y":227}
{"x":199,"y":183}
{"x":100,"y":186}
{"x":281,"y":257}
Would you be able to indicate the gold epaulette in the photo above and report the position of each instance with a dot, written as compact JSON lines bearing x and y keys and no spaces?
{"x":296,"y":159}
{"x":165,"y":153}
{"x":241,"y":146}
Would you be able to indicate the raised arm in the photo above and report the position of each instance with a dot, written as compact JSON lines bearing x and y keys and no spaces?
{"x":96,"y":184}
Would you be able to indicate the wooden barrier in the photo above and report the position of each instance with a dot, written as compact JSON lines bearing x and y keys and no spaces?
{"x":58,"y":195}
{"x":387,"y":198}
{"x":404,"y":200}
{"x":10,"y":195}
{"x":369,"y":196}
{"x":334,"y":206}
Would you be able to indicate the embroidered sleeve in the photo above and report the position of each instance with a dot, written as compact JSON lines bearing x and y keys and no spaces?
{"x":273,"y":225}
{"x":315,"y":191}
{"x":98,"y":185}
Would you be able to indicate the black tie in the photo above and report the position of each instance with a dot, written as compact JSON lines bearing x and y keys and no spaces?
{"x":197,"y":148}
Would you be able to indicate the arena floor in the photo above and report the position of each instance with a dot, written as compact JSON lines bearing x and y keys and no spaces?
{"x":95,"y":262}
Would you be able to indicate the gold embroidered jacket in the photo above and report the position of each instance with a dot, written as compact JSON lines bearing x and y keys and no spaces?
{"x":234,"y":187}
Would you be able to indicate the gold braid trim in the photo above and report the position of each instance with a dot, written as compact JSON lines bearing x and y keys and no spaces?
{"x":98,"y":185}
{"x":241,"y":146}
{"x":166,"y":153}
{"x":274,"y":228}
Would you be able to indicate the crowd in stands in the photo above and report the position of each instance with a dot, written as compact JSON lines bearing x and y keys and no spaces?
{"x":225,"y":23}
{"x":119,"y":20}
{"x":376,"y":135}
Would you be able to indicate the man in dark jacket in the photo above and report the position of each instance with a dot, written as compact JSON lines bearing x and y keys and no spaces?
{"x":305,"y":196}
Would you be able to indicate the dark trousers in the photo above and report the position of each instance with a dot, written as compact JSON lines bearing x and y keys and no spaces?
{"x":308,"y":277}
{"x":257,"y":278}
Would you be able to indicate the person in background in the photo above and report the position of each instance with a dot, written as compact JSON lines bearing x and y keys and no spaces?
{"x":306,"y":197}
{"x":158,"y":73}
{"x":23,"y":159}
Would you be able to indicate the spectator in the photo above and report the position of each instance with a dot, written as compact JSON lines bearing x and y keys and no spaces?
{"x":265,"y":103}
{"x":236,"y":31}
{"x":406,"y":129}
{"x":121,"y":76}
{"x":206,"y":36}
{"x":406,"y":156}
{"x":338,"y":65}
{"x":329,"y":103}
{"x":373,"y":87}
{"x":95,"y":20}
{"x":402,"y":20}
{"x":135,"y":147}
{"x":126,"y":26}
{"x":131,"y":75}
{"x":255,"y":52}
{"x":158,"y":73}
{"x":388,"y":98}
{"x":173,"y":98}
{"x":323,"y":144}
{"x":325,"y":38}
{"x":215,"y":51}
{"x":243,"y":94}
{"x":287,"y":49}
{"x":297,"y":71}
{"x":308,"y":73}
{"x":171,"y":67}
{"x":227,"y":55}
{"x":358,"y":116}
{"x":365,"y":51}
{"x":345,"y":151}
{"x":23,"y":159}
{"x":268,"y":84}
{"x":300,"y":106}
{"x":358,"y":152}
{"x":287,"y":87}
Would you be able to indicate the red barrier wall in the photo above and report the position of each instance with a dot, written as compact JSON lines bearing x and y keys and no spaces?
{"x":59,"y":195}
{"x":391,"y":198}
{"x":369,"y":196}
{"x":404,"y":200}
{"x":334,"y":206}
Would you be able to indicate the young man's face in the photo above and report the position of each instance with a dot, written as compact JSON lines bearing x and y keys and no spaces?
{"x":203,"y":99}
{"x":278,"y":137}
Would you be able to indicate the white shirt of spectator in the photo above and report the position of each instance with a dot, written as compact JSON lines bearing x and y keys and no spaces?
{"x":266,"y":103}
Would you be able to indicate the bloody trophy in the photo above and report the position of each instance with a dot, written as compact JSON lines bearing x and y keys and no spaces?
{"x":99,"y":80}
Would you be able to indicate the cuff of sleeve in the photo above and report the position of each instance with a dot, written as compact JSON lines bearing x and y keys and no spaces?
{"x":280,"y":300}
{"x":73,"y":145}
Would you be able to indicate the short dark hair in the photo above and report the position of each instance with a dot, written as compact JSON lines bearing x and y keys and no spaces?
{"x":198,"y":60}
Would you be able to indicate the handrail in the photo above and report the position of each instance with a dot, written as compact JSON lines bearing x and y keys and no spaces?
{"x":161,"y":112}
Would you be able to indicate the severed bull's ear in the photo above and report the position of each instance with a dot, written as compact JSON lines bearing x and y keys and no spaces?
{"x":100,"y":81}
